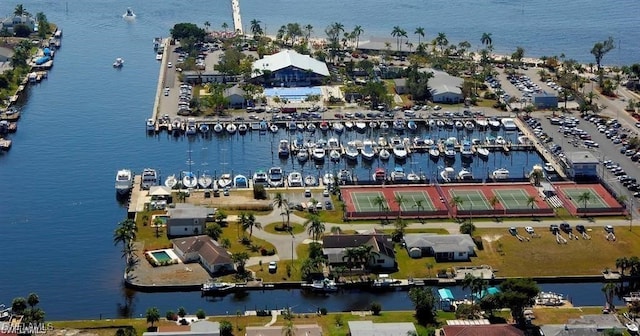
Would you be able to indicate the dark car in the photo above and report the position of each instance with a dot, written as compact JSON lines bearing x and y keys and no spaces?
{"x":328,"y":205}
{"x":565,"y":227}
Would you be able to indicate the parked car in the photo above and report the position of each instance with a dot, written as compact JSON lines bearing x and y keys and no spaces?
{"x":273,"y":267}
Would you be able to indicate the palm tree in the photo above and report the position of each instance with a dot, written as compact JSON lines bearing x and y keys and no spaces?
{"x":486,"y":39}
{"x":380,"y":201}
{"x":396,"y":32}
{"x":351,"y":257}
{"x":532,"y":200}
{"x":537,"y":176}
{"x":256,"y":29}
{"x":157,"y":224}
{"x":367,"y":254}
{"x":279,"y":201}
{"x":399,"y":199}
{"x":289,"y":329}
{"x":420,"y":32}
{"x":20,"y":11}
{"x":242,"y":222}
{"x":441,"y":41}
{"x":308,"y":29}
{"x":125,"y":232}
{"x":622,"y":263}
{"x":207,"y":25}
{"x":287,"y":212}
{"x":493,"y":201}
{"x":585,"y":197}
{"x":336,"y":230}
{"x":250,"y":223}
{"x":609,"y":289}
{"x":153,"y":315}
{"x":456,"y":202}
{"x":403,"y":33}
{"x":467,"y":283}
{"x":315,"y":227}
{"x":357,"y":31}
{"x":418,"y":205}
{"x":225,"y":26}
{"x":240,"y":259}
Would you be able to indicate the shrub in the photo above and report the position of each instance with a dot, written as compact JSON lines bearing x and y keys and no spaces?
{"x":271,"y":252}
{"x":200,"y":314}
{"x":245,"y":241}
{"x":376,"y":308}
{"x":339,"y":321}
{"x":478,"y":241}
{"x":323,"y":311}
{"x":263,"y":251}
{"x":259,"y":192}
{"x":226,"y":328}
{"x":171,"y":316}
{"x":182,"y":312}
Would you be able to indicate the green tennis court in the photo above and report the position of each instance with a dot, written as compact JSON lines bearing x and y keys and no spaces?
{"x":414,"y":198}
{"x":367,"y":201}
{"x":575,"y":196}
{"x":471,"y":200}
{"x":514,"y":199}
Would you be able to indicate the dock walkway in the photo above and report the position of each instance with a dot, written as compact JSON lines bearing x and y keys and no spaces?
{"x":237,"y":19}
{"x":540,"y":147}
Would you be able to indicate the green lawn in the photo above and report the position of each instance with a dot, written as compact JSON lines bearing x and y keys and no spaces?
{"x":234,"y":234}
{"x":295,"y":228}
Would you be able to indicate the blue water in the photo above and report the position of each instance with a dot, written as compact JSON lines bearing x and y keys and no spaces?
{"x":57,"y":208}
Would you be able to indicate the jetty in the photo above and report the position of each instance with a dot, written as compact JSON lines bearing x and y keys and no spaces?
{"x":237,"y":19}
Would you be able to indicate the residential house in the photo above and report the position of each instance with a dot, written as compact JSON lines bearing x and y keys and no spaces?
{"x":289,"y":69}
{"x":335,"y":246}
{"x":586,"y":325}
{"x":13,"y":20}
{"x":198,"y":328}
{"x":298,"y":330}
{"x":187,"y":219}
{"x":204,"y":250}
{"x":445,"y":88}
{"x":236,"y":96}
{"x":369,"y":328}
{"x":481,"y":330}
{"x":451,"y":247}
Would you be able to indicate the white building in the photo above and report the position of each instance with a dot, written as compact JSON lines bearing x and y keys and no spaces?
{"x":289,"y":68}
{"x":445,"y":88}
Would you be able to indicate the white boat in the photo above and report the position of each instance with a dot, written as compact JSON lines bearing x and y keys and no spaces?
{"x":159,"y":57}
{"x":632,"y":327}
{"x":449,"y":150}
{"x":482,"y":152}
{"x":413,"y":177}
{"x":399,"y":125}
{"x":466,"y":151}
{"x":129,"y":14}
{"x":348,"y":125}
{"x":192,"y":128}
{"x":459,"y":125}
{"x":323,"y":286}
{"x":318,"y":153}
{"x":333,"y":143}
{"x":215,"y":287}
{"x":469,"y":126}
{"x":384,"y":126}
{"x":205,"y":181}
{"x":334,"y":155}
{"x":351,"y":152}
{"x":446,"y":174}
{"x":431,"y":123}
{"x":204,"y":128}
{"x":500,"y":174}
{"x":373,"y":124}
{"x":344,"y":175}
{"x":384,"y":154}
{"x":439,"y":123}
{"x":151,"y":125}
{"x":231,"y":128}
{"x":124,"y":181}
{"x":273,"y":128}
{"x":632,"y":297}
{"x":464,"y":174}
{"x":310,"y":180}
{"x":283,"y":148}
{"x":302,"y":155}
{"x":338,"y":127}
{"x":240,"y":181}
{"x":361,"y":126}
{"x":482,"y":123}
{"x":412,"y":125}
{"x":434,"y":152}
{"x":398,"y":174}
{"x":224,"y":181}
{"x":149,"y":178}
{"x":494,"y":124}
{"x":300,"y":127}
{"x":292,"y":126}
{"x":500,"y":140}
{"x":548,"y":167}
{"x":171,"y":182}
{"x":328,"y":179}
{"x":119,"y":62}
{"x":508,"y":124}
{"x":399,"y":152}
{"x":218,"y":128}
{"x":295,"y":180}
{"x":382,"y":142}
{"x":242,"y":128}
{"x":276,"y":177}
{"x":260,"y":178}
{"x":379,"y":174}
{"x":189,"y":180}
{"x":367,"y":150}
{"x":549,"y":299}
{"x":311,"y":127}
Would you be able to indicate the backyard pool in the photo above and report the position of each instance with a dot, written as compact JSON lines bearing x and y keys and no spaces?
{"x":161,"y":256}
{"x":162,"y":218}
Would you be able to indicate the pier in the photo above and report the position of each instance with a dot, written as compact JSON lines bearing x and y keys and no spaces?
{"x":540,"y":148}
{"x":237,"y":19}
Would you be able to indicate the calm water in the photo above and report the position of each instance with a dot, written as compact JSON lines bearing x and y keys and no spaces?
{"x":86,"y":121}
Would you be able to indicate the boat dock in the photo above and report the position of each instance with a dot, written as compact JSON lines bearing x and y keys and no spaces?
{"x":136,"y":199}
{"x":237,"y":19}
{"x":540,"y":148}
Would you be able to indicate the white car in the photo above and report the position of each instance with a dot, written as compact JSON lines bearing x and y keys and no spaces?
{"x":273,"y":267}
{"x":529,"y":229}
{"x":169,"y":65}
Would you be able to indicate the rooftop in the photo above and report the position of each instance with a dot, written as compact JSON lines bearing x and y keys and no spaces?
{"x":206,"y":247}
{"x":287,"y":58}
{"x":482,"y":330}
{"x":442,"y":82}
{"x":581,"y":157}
{"x":368,"y":328}
{"x":440,"y":243}
{"x":187,"y":210}
{"x":298,"y":330}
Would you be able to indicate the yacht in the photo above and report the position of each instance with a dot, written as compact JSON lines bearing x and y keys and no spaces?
{"x":318,"y":153}
{"x":400,"y":152}
{"x":338,"y":127}
{"x":218,"y":128}
{"x":333,"y":143}
{"x":351,"y":151}
{"x":295,"y":180}
{"x":311,"y":127}
{"x":367,"y":150}
{"x":464,"y":174}
{"x":151,"y":125}
{"x":446,"y":174}
{"x":398,"y":174}
{"x":204,"y":128}
{"x":431,"y":123}
{"x":459,"y":125}
{"x":449,"y":123}
{"x":124,"y":181}
{"x":483,"y":153}
{"x":273,"y":128}
{"x":412,"y":126}
{"x":469,"y":126}
{"x":440,"y":123}
{"x":276,"y":178}
{"x":413,"y":177}
{"x":500,"y":140}
{"x":323,"y":286}
{"x":129,"y":14}
{"x":310,"y":180}
{"x":379,"y":174}
{"x":482,"y":123}
{"x":384,"y":126}
{"x":224,"y":181}
{"x":324,"y":126}
{"x":283,"y":148}
{"x":344,"y":175}
{"x":149,"y":178}
{"x":449,"y":150}
{"x":399,"y":125}
{"x":466,"y":151}
{"x":189,"y":180}
{"x":384,"y":154}
{"x":171,"y":182}
{"x":302,"y":155}
{"x":382,"y":142}
{"x":119,"y":62}
{"x":373,"y":124}
{"x":240,"y":181}
{"x":260,"y":178}
{"x":548,"y":167}
{"x":508,"y":124}
{"x":192,"y":128}
{"x":215,"y":287}
{"x":334,"y":155}
{"x":494,"y":124}
{"x":328,"y":179}
{"x":500,"y":174}
{"x":292,"y":126}
{"x":348,"y":124}
{"x":434,"y":152}
{"x":360,"y":126}
{"x":262,"y":127}
{"x":231,"y":128}
{"x":300,"y":127}
{"x":242,"y":128}
{"x":205,"y":181}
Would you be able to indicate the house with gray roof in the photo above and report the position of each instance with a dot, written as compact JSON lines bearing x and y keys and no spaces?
{"x":335,"y":246}
{"x":452,"y":247}
{"x":369,"y":328}
{"x":444,"y":88}
{"x":204,"y":250}
{"x":236,"y":95}
{"x":187,"y":219}
{"x":481,"y":330}
{"x":298,"y":330}
{"x":198,"y":328}
{"x":289,"y":68}
{"x":11,"y":21}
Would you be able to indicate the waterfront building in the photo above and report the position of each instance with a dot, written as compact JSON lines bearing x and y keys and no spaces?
{"x":335,"y":247}
{"x":205,"y":251}
{"x":545,"y":100}
{"x":369,"y":328}
{"x":290,"y":69}
{"x":581,"y":166}
{"x":11,"y":21}
{"x":212,"y":76}
{"x":445,"y":88}
{"x":187,"y":219}
{"x":453,"y":247}
{"x":197,"y":328}
{"x":235,"y":95}
{"x":481,"y":329}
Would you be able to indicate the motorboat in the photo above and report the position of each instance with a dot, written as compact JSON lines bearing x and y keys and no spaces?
{"x":412,"y":125}
{"x":360,"y":126}
{"x":348,"y":125}
{"x":632,"y":327}
{"x":310,"y":180}
{"x":171,"y":182}
{"x":384,"y":126}
{"x":295,"y":180}
{"x":344,"y":175}
{"x":218,"y":128}
{"x":400,"y":152}
{"x":215,"y":287}
{"x":205,"y":181}
{"x":118,"y":63}
{"x":500,"y":140}
{"x":508,"y":124}
{"x":189,"y":180}
{"x":399,"y":125}
{"x":465,"y":174}
{"x":338,"y":127}
{"x":379,"y":174}
{"x":440,"y":123}
{"x":351,"y":152}
{"x":318,"y":153}
{"x":292,"y":126}
{"x":129,"y":14}
{"x":368,"y":152}
{"x":311,"y":127}
{"x":240,"y":181}
{"x":449,"y":123}
{"x":224,"y":181}
{"x":176,"y":127}
{"x":382,"y":142}
{"x":276,"y":177}
{"x":494,"y":124}
{"x":431,"y":123}
{"x":300,"y":127}
{"x":549,"y":299}
{"x":333,"y":143}
{"x":469,"y":126}
{"x":323,"y":286}
{"x":324,"y":126}
{"x":466,"y":150}
{"x":149,"y":178}
{"x":482,"y":152}
{"x":242,"y":128}
{"x":434,"y":152}
{"x":302,"y":156}
{"x":263,"y":126}
{"x":548,"y":167}
{"x":482,"y":123}
{"x":632,"y":297}
{"x":449,"y":150}
{"x":328,"y":179}
{"x":459,"y":125}
{"x":260,"y":178}
{"x":334,"y":155}
{"x":151,"y":125}
{"x":393,"y":141}
{"x":500,"y":174}
{"x":398,"y":174}
{"x":283,"y":148}
{"x":373,"y":124}
{"x":273,"y":128}
{"x":446,"y":174}
{"x":203,"y":128}
{"x":384,"y":282}
{"x":159,"y":56}
{"x":124,"y":181}
{"x":192,"y":128}
{"x":231,"y":128}
{"x":413,"y":177}
{"x":384,"y":154}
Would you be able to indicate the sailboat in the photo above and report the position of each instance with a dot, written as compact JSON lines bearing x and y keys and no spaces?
{"x":205,"y":181}
{"x":189,"y":180}
{"x":171,"y":181}
{"x":129,"y":15}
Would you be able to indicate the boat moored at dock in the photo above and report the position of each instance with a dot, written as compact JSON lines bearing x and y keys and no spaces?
{"x":149,"y":178}
{"x":124,"y":181}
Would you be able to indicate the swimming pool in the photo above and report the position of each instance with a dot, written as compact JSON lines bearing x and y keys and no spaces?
{"x":161,"y":256}
{"x":163,"y":219}
{"x":293,"y":93}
